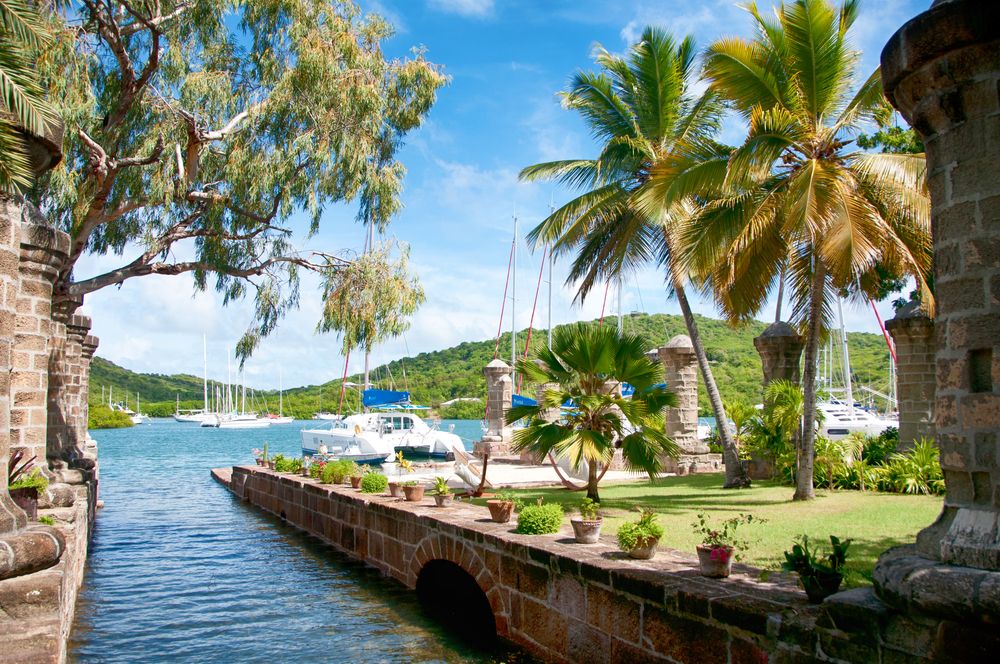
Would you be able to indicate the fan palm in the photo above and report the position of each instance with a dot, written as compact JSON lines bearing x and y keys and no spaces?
{"x":22,"y":103}
{"x":641,"y":109}
{"x":587,"y":365}
{"x":798,"y":198}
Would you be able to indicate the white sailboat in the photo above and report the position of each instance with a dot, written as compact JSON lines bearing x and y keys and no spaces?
{"x":139,"y":417}
{"x":197,"y":416}
{"x":280,"y":418}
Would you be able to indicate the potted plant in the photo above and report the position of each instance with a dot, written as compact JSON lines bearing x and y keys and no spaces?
{"x":540,"y":519}
{"x":355,"y":479}
{"x":258,"y":456}
{"x":412,"y":491}
{"x":24,"y":488}
{"x":373,"y":481}
{"x":719,"y":546}
{"x":503,"y":505}
{"x":818,"y":579}
{"x":588,"y":528}
{"x":639,"y":538}
{"x":401,"y":465}
{"x":443,"y":495}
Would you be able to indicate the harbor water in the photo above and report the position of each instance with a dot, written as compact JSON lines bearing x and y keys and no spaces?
{"x":181,"y":571}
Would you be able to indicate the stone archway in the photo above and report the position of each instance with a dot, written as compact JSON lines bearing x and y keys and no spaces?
{"x":452,"y":597}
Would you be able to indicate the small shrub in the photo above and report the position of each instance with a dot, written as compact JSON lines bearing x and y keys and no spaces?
{"x":507,"y":496}
{"x":540,"y":519}
{"x":47,"y":520}
{"x":588,"y":509}
{"x":374,"y":483}
{"x":629,"y":534}
{"x":283,"y":465}
{"x":877,"y":448}
{"x":316,"y":470}
{"x":334,"y":472}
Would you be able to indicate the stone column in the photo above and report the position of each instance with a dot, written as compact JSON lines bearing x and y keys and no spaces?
{"x":780,"y":348}
{"x":87,"y":349}
{"x":43,"y":252}
{"x":913,"y":334}
{"x":942,"y":71}
{"x":12,"y":517}
{"x":549,"y":414}
{"x":499,"y":388}
{"x":681,"y":366}
{"x":63,"y":387}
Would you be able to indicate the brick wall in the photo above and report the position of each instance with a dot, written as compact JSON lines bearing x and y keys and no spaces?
{"x":572,"y":603}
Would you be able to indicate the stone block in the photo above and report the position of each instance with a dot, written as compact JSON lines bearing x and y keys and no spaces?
{"x":627,"y":653}
{"x":613,"y":614}
{"x":747,"y":613}
{"x":543,"y":625}
{"x":586,"y":644}
{"x":570,"y":595}
{"x":683,"y":639}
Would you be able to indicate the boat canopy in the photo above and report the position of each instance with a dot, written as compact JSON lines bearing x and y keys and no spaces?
{"x":517,"y":400}
{"x":373,"y":398}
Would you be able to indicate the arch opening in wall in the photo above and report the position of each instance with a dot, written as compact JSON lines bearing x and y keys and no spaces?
{"x":451,"y":597}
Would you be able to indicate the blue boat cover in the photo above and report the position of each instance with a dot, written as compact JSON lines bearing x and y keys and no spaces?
{"x":518,"y":400}
{"x":372,"y":398}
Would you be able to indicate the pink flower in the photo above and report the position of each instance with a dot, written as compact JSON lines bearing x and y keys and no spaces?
{"x":720,"y":555}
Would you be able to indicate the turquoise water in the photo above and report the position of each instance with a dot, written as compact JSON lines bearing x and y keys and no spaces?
{"x":180,"y":571}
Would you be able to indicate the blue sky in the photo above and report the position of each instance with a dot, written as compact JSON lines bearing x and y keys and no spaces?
{"x":507,"y":60}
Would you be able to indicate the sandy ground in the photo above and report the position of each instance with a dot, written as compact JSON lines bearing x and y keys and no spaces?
{"x":501,"y":473}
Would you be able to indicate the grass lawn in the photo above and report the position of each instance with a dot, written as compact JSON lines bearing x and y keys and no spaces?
{"x":875,"y":521}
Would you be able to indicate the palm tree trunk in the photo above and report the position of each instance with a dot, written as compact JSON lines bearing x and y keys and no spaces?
{"x":804,"y":477}
{"x":592,"y":481}
{"x":736,"y":477}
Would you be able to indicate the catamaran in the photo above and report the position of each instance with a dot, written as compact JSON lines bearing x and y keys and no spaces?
{"x":373,"y":437}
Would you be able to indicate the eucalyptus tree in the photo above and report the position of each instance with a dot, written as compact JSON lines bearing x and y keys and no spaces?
{"x":641,"y":109}
{"x":588,"y":365}
{"x":199,"y":132}
{"x":798,"y":197}
{"x":22,"y":30}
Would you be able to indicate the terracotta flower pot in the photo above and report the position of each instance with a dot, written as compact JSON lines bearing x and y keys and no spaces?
{"x":716,"y":562}
{"x":395,"y":490}
{"x":270,"y":465}
{"x":587,"y":532}
{"x":260,"y":461}
{"x":444,"y":499}
{"x":304,"y":471}
{"x":414,"y":493}
{"x":645,"y":548}
{"x":356,"y":482}
{"x":500,"y":510}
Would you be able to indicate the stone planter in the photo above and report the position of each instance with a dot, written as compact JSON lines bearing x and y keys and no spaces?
{"x":395,"y":490}
{"x":270,"y":465}
{"x":821,"y":586}
{"x":304,"y":471}
{"x":444,"y":499}
{"x":260,"y":462}
{"x":717,"y":566}
{"x":414,"y":493}
{"x":27,"y":499}
{"x":500,"y":510}
{"x":587,"y":532}
{"x":645,"y":548}
{"x":355,"y":482}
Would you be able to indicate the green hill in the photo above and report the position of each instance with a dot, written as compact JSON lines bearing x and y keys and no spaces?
{"x":455,"y":372}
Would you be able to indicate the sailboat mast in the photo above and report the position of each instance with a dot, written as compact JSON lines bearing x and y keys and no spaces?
{"x":621,"y":319}
{"x":552,"y":210}
{"x":204,"y":346}
{"x":281,"y":406}
{"x":847,"y":359}
{"x":371,"y":240}
{"x":229,"y":382}
{"x":513,"y":309}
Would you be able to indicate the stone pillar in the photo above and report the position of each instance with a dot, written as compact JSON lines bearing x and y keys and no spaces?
{"x":63,"y":387}
{"x":780,"y":348}
{"x":499,"y":388}
{"x":681,"y":366}
{"x":913,"y":335}
{"x":43,"y":251}
{"x":942,"y":71}
{"x":549,"y":414}
{"x":12,"y":517}
{"x":87,"y":349}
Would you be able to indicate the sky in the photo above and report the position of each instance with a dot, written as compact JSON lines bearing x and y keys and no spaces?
{"x":507,"y":60}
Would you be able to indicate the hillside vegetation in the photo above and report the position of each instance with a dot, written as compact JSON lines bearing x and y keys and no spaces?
{"x":442,"y":375}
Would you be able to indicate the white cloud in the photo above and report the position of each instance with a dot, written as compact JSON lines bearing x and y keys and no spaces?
{"x":476,"y":8}
{"x":390,"y":14}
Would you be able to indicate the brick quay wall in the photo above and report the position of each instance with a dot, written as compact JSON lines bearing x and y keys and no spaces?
{"x":567,"y":602}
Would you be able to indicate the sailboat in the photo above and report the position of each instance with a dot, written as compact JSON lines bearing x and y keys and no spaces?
{"x":280,"y":418}
{"x":197,"y":416}
{"x":139,"y":417}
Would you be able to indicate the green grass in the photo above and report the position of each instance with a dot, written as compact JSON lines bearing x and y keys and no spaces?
{"x":875,"y":521}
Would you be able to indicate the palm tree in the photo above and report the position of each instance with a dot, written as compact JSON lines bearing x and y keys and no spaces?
{"x":641,"y":109}
{"x":798,"y":199}
{"x":587,"y":365}
{"x":22,"y":102}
